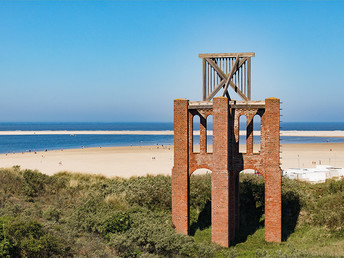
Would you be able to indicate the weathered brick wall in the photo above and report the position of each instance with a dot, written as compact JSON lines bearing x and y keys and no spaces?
{"x":220,"y":177}
{"x":180,"y":171}
{"x":272,"y":174}
{"x":226,"y":163}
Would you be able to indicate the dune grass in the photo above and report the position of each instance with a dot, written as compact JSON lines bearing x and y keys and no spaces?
{"x":81,"y":215}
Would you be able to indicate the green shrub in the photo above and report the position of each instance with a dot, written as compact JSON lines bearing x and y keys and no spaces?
{"x":251,"y":204}
{"x":44,"y":246}
{"x":200,"y":191}
{"x":7,"y":247}
{"x":200,"y":202}
{"x":34,"y":183}
{"x":335,"y":186}
{"x":28,"y":239}
{"x":11,"y":182}
{"x":329,"y":211}
{"x":153,"y":192}
{"x":52,"y":214}
{"x":19,"y":230}
{"x":118,"y":223}
{"x":152,"y":233}
{"x":91,"y":215}
{"x":97,"y":216}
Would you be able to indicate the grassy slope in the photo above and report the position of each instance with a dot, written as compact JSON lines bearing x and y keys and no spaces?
{"x":83,"y":215}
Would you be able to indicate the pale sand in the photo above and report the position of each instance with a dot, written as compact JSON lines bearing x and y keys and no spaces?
{"x":108,"y":161}
{"x":282,"y":133}
{"x":139,"y":161}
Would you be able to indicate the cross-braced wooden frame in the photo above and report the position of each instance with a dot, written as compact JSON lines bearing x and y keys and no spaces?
{"x":224,"y":70}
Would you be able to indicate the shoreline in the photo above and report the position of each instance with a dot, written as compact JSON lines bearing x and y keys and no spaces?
{"x":157,"y":159}
{"x":339,"y":134}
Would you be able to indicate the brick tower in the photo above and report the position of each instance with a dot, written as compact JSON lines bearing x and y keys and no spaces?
{"x":225,"y":161}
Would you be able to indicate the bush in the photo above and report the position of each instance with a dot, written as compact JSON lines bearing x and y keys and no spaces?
{"x":152,"y":233}
{"x":200,"y":191}
{"x":251,"y":204}
{"x":28,"y":239}
{"x":152,"y":192}
{"x":91,"y":214}
{"x":7,"y":247}
{"x":34,"y":183}
{"x":200,"y":202}
{"x":52,"y":214}
{"x":11,"y":182}
{"x":98,"y":216}
{"x":118,"y":223}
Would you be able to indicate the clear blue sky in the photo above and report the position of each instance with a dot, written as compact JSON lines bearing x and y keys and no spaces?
{"x":126,"y":61}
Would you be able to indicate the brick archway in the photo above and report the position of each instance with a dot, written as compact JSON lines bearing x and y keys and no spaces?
{"x":226,"y":162}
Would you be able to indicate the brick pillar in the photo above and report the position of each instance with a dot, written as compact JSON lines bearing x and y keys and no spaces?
{"x":220,"y":216}
{"x":272,"y":174}
{"x":249,"y":134}
{"x":180,"y":171}
{"x":203,"y":135}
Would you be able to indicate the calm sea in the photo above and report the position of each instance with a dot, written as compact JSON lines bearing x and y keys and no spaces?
{"x":23,"y":143}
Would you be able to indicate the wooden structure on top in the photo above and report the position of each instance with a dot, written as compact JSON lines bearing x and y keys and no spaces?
{"x":224,"y":70}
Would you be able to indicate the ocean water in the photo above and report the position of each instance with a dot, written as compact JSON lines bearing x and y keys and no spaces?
{"x":286,"y":126}
{"x":25,"y":143}
{"x":85,"y":126}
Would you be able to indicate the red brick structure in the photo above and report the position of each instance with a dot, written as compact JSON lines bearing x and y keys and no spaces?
{"x":226,"y":162}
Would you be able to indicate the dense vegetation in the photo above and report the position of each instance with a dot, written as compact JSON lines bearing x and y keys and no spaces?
{"x":82,"y":215}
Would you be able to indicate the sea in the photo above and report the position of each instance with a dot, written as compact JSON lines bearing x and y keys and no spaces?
{"x":29,"y":143}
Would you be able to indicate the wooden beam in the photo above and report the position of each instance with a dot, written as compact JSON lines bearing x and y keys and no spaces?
{"x":218,"y":87}
{"x":249,"y":78}
{"x":221,"y":74}
{"x":233,"y":104}
{"x":247,"y":54}
{"x":218,"y":69}
{"x":224,"y":79}
{"x":239,"y":92}
{"x":227,"y":95}
{"x":229,"y":78}
{"x":204,"y":79}
{"x":241,"y":62}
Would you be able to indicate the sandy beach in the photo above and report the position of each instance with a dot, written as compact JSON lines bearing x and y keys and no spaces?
{"x":167,"y":132}
{"x":140,"y":161}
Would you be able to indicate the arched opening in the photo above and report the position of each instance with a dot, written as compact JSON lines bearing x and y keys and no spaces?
{"x":242,"y":133}
{"x":256,"y":133}
{"x":200,"y":203}
{"x":210,"y":134}
{"x":196,"y":121}
{"x":251,"y":203}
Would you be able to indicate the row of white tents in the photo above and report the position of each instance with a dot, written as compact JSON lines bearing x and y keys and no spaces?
{"x":318,"y":174}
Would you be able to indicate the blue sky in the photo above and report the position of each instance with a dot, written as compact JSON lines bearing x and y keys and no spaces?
{"x":109,"y":61}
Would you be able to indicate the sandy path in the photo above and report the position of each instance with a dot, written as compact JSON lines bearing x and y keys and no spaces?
{"x":130,"y":161}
